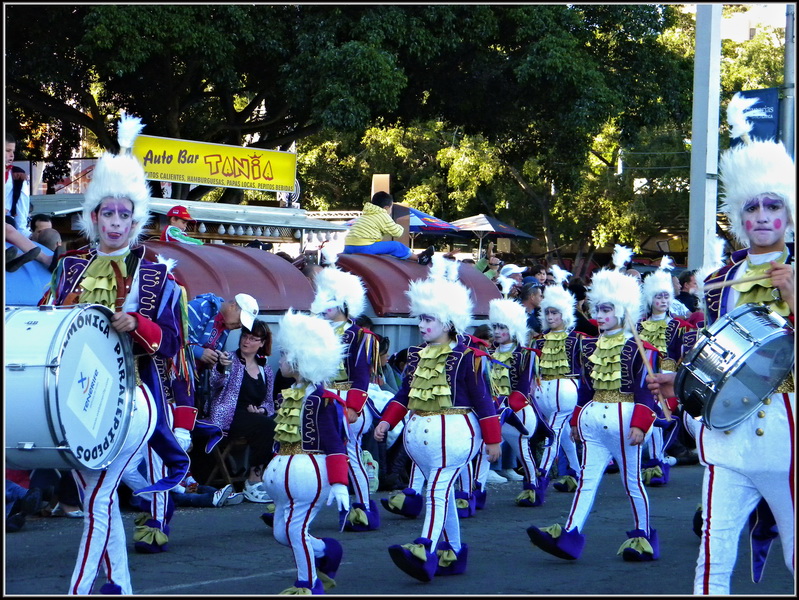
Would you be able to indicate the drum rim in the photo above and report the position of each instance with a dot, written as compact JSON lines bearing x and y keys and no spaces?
{"x":55,"y":405}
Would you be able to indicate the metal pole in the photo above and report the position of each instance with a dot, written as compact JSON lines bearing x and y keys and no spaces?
{"x":705,"y":134}
{"x":788,"y":101}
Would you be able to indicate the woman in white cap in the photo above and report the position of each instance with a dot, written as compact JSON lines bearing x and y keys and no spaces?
{"x":341,"y":298}
{"x":311,"y":461}
{"x":613,"y":416}
{"x":666,"y":333}
{"x":452,"y":413}
{"x":559,"y":349}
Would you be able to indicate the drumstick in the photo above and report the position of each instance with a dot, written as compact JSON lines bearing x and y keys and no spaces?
{"x":649,"y":368}
{"x":729,"y":282}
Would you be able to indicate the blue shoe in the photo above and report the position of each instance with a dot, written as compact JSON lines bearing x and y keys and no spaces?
{"x":315,"y":589}
{"x":632,"y":550}
{"x":150,"y":538}
{"x":480,"y":497}
{"x":408,"y":503}
{"x":465,"y":504}
{"x":268,"y":518}
{"x":456,"y":568}
{"x":568,"y":545}
{"x":372,"y":517}
{"x":110,"y":589}
{"x":423,"y":570}
{"x":529,"y":496}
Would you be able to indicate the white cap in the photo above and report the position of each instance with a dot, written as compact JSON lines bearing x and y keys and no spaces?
{"x":509,"y":270}
{"x":249,"y":309}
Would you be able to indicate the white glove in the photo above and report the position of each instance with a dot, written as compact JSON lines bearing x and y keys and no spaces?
{"x":183,"y":436}
{"x":339,"y":493}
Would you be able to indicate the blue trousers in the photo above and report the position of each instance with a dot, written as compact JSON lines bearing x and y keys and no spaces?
{"x":393,"y":248}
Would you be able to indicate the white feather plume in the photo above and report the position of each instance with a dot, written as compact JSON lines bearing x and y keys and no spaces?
{"x":330,"y":255}
{"x":453,"y":270}
{"x":170,"y":263}
{"x":621,"y":256}
{"x":505,"y":285}
{"x":559,"y":274}
{"x":129,"y":128}
{"x":738,"y":111}
{"x":713,"y":264}
{"x":666,"y":264}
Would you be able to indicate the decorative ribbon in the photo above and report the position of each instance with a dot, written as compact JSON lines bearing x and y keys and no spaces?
{"x":553,"y":530}
{"x":526,"y":495}
{"x":150,"y":535}
{"x":295,"y":591}
{"x":651,"y":472}
{"x":500,"y":374}
{"x":357,"y":516}
{"x":640,"y":544}
{"x":418,"y":550}
{"x":397,"y":500}
{"x":606,"y":374}
{"x":446,"y":557}
{"x":569,"y":481}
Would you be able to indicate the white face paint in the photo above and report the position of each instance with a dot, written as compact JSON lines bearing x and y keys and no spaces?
{"x":660,"y":303}
{"x":554,"y":319}
{"x":606,"y":317}
{"x":432,"y":330}
{"x":114,"y":222}
{"x":501,"y":334}
{"x":333,"y":314}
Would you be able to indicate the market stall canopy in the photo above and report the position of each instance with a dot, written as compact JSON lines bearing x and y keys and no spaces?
{"x":484,"y":225}
{"x":387,"y":279}
{"x":226,"y":270}
{"x":235,"y":214}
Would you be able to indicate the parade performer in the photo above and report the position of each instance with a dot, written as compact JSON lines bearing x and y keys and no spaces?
{"x":146,"y":303}
{"x":311,"y":461}
{"x":666,"y":333}
{"x":559,"y":349}
{"x":749,"y":469}
{"x":613,"y":416}
{"x":341,"y":298}
{"x":452,"y":412}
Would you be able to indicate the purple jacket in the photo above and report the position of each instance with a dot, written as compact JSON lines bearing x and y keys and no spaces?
{"x":225,"y":392}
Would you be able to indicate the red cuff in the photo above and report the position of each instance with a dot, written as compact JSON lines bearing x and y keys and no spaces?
{"x":147,"y":333}
{"x":393,"y":413}
{"x":184,"y":417}
{"x":643,"y":417}
{"x":356,"y":399}
{"x":336,"y":468}
{"x":491,"y":430}
{"x":672,"y":403}
{"x":517,"y":401}
{"x":575,"y":416}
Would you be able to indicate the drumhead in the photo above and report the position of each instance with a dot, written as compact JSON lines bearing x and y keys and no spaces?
{"x":93,"y":387}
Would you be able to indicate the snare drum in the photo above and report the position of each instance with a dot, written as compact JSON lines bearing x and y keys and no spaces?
{"x":70,"y":386}
{"x":735,"y":365}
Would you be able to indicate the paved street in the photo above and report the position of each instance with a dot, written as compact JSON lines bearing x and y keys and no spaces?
{"x":229,"y":551}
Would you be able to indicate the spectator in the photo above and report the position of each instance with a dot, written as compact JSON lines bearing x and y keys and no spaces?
{"x":688,"y":290}
{"x":190,"y":494}
{"x":530,"y":295}
{"x":539,"y":271}
{"x":490,"y":264}
{"x":366,"y":234}
{"x":20,"y":503}
{"x":582,"y":323}
{"x":635,"y":274}
{"x":242,"y":401}
{"x":175,"y":231}
{"x":39,"y":223}
{"x":17,"y":191}
{"x":514,"y":273}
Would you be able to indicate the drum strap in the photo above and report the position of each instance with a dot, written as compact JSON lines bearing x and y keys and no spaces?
{"x":123,"y":287}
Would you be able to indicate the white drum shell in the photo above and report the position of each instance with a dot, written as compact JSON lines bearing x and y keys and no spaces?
{"x":69,"y":387}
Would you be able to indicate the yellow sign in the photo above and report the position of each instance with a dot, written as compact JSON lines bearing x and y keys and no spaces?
{"x":201,"y":163}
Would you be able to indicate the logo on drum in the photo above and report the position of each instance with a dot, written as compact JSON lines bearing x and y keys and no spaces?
{"x":89,"y":389}
{"x":81,"y":380}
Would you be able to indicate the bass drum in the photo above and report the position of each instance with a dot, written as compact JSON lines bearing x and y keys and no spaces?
{"x":735,"y":365}
{"x":70,"y":385}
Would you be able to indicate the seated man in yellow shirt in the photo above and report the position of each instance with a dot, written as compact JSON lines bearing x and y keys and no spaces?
{"x":366,"y":234}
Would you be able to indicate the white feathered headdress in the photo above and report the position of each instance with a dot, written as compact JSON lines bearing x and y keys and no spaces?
{"x":442,"y":295}
{"x":657,"y":282}
{"x":714,"y":262}
{"x":561,"y":300}
{"x":511,"y":314}
{"x":560,"y":275}
{"x":753,"y":168}
{"x":310,"y":346}
{"x":338,"y":289}
{"x":613,"y":286}
{"x":118,"y":176}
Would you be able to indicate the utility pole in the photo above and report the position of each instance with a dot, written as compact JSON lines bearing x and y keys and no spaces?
{"x":705,"y":134}
{"x":788,"y":101}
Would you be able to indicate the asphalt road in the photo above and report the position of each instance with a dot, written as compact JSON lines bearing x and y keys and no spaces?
{"x":229,"y":551}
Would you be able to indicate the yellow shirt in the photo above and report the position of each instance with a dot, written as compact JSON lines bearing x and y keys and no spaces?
{"x":371,"y":226}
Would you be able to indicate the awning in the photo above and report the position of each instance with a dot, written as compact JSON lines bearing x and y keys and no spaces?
{"x":213,"y":212}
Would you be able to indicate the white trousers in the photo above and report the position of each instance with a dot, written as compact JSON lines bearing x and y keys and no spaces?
{"x":441,"y":445}
{"x":557,"y":399}
{"x":604,"y":428}
{"x":742,"y":467}
{"x":357,"y":470}
{"x":103,"y":539}
{"x":299,"y":487}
